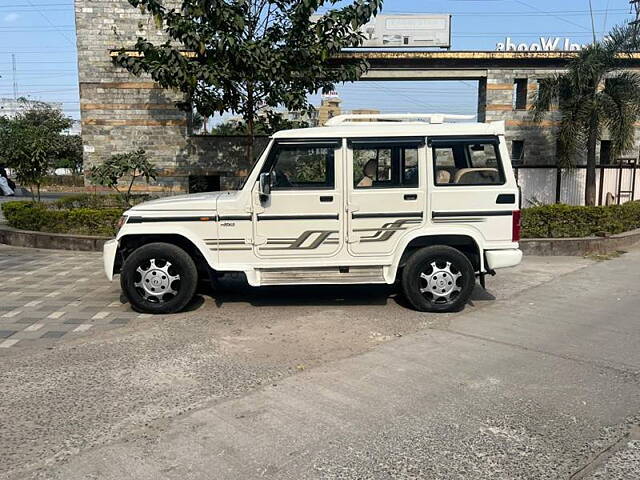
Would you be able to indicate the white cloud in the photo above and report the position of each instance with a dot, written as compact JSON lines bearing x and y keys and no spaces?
{"x":11,"y":17}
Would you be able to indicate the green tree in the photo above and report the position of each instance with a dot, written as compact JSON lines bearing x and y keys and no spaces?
{"x":594,"y":95}
{"x":32,"y":141}
{"x":70,"y":155}
{"x":247,"y":55}
{"x":132,"y":165}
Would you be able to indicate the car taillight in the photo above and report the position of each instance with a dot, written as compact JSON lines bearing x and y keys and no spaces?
{"x":516,"y":227}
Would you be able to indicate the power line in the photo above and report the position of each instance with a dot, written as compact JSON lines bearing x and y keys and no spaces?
{"x":34,"y":5}
{"x":521,"y":2}
{"x":71,"y":42}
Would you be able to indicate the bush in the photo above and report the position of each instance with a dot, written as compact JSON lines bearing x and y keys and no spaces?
{"x":562,"y":221}
{"x":46,"y":218}
{"x":86,"y":200}
{"x":63,"y":181}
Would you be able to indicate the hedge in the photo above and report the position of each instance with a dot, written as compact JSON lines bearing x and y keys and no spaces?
{"x":46,"y":218}
{"x":562,"y":221}
{"x":63,"y":180}
{"x":86,"y":200}
{"x":97,"y":215}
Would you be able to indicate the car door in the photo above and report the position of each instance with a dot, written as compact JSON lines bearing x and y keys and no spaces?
{"x":386,"y":193}
{"x":301,"y":218}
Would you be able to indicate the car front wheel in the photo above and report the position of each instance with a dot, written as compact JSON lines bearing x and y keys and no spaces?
{"x":438,"y":279}
{"x":159,"y":278}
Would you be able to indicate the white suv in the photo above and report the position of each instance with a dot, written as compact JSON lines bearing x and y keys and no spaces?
{"x":365,"y":199}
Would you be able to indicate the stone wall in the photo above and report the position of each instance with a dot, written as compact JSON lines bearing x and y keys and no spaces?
{"x":121,"y":113}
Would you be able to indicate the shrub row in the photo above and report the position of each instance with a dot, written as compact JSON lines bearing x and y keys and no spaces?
{"x":79,"y":221}
{"x":86,"y":200}
{"x":563,"y":221}
{"x":63,"y":180}
{"x":98,"y":215}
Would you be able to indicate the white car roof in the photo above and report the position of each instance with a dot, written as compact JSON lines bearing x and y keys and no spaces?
{"x":393,"y":129}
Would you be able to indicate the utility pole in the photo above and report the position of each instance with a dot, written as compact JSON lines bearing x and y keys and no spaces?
{"x":635,"y":5}
{"x":593,"y":24}
{"x":15,"y":79}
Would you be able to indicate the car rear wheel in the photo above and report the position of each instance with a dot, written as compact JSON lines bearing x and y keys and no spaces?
{"x":159,"y":278}
{"x":438,"y":279}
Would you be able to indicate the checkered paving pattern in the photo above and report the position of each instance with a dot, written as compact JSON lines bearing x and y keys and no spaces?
{"x":49,"y":296}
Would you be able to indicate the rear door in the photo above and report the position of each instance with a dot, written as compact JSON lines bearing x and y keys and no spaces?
{"x":473,"y":185}
{"x":386,"y":193}
{"x":302,"y":218}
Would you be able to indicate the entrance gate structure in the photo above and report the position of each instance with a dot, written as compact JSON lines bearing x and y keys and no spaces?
{"x":121,"y":112}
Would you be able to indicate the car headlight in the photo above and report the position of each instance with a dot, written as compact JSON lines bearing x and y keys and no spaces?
{"x":121,"y":222}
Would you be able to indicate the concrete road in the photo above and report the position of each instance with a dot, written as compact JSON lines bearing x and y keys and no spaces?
{"x":542,"y":383}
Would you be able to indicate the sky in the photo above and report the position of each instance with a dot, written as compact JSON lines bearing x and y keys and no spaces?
{"x":41,"y":35}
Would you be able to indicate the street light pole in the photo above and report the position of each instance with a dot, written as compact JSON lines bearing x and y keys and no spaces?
{"x":635,"y":4}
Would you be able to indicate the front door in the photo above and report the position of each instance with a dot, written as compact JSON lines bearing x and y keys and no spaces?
{"x":302,"y":217}
{"x":386,"y":199}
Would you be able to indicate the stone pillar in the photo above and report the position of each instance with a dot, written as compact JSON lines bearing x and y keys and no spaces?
{"x":540,"y":139}
{"x":121,"y":113}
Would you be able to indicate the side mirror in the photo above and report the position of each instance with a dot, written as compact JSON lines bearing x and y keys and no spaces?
{"x":265,"y":186}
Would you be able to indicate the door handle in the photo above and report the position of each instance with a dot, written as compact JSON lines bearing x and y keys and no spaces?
{"x":326,"y":199}
{"x":411,"y":196}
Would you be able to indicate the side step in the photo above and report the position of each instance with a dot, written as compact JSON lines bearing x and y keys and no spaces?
{"x":326,"y":275}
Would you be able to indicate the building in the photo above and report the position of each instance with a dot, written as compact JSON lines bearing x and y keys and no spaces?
{"x":329,"y":108}
{"x":10,"y":107}
{"x":121,"y":112}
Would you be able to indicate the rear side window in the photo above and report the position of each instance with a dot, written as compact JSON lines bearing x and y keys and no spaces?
{"x":385,"y":165}
{"x":467,"y":162}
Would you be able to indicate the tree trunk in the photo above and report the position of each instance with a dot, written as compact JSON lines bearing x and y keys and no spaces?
{"x":590,"y":186}
{"x":250,"y":118}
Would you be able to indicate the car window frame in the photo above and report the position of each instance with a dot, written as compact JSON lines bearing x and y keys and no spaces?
{"x":354,"y":144}
{"x":433,"y":142}
{"x":332,"y":143}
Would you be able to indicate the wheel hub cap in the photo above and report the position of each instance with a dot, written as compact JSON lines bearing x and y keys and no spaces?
{"x":155,"y":281}
{"x":441,"y":283}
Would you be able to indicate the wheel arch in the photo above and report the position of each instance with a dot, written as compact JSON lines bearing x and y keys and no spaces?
{"x":128,"y":243}
{"x":465,"y":242}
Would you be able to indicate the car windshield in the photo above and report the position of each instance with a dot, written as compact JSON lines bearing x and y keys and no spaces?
{"x":255,"y":164}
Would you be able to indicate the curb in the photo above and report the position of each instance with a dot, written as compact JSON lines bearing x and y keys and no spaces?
{"x":549,"y":247}
{"x":52,"y":241}
{"x":546,"y":247}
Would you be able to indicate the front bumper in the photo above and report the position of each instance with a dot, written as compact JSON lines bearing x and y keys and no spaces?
{"x":109,"y":252}
{"x":503,"y":258}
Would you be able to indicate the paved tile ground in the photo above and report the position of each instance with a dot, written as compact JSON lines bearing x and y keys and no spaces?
{"x":51,"y":295}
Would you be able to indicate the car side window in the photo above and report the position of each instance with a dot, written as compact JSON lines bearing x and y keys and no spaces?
{"x":296,"y":167}
{"x":385,"y":165}
{"x":467,"y":162}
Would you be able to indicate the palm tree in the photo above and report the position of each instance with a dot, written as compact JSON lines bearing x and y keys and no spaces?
{"x":593,"y":95}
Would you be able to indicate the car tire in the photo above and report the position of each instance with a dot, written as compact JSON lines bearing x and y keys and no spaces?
{"x":438,"y":279}
{"x":159,"y":278}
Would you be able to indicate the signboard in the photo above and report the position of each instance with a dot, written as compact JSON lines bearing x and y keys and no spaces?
{"x":408,"y":31}
{"x":401,"y":31}
{"x":546,"y":44}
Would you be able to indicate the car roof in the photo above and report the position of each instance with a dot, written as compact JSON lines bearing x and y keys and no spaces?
{"x":392,"y":129}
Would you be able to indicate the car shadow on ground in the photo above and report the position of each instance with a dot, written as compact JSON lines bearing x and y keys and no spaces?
{"x":237,"y":290}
